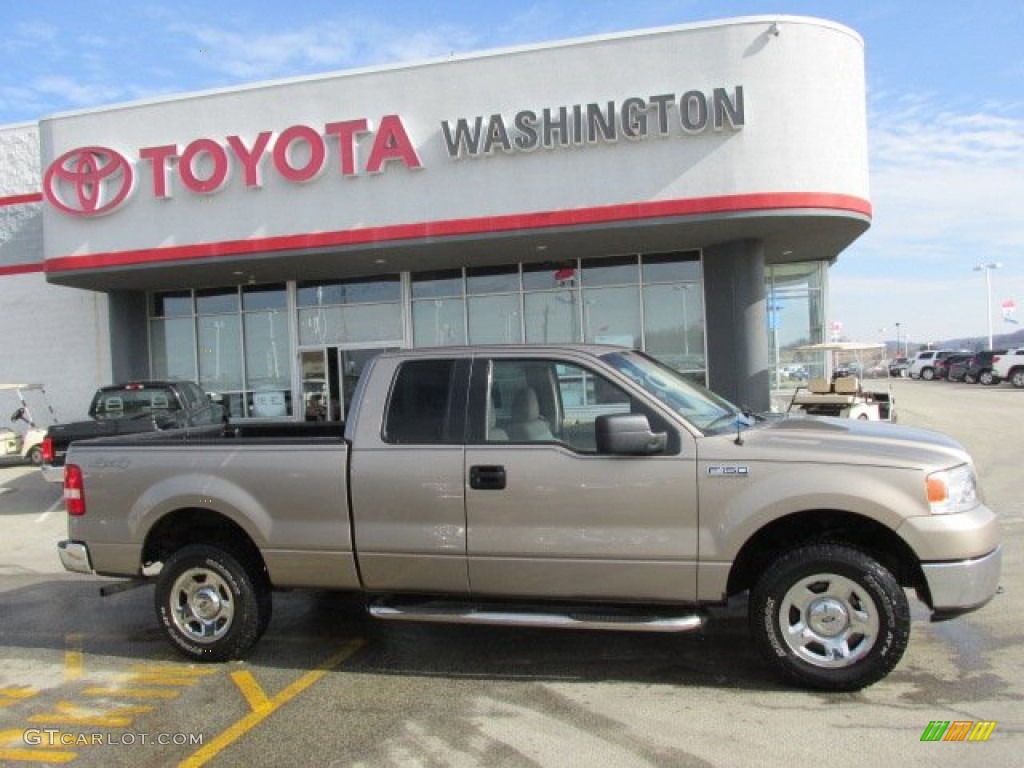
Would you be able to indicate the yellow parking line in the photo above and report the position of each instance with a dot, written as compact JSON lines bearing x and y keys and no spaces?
{"x":171,"y":670}
{"x":251,"y":690}
{"x":159,"y":679}
{"x":74,"y":659}
{"x":67,"y":713}
{"x":22,"y":755}
{"x":10,"y":696}
{"x":134,"y":693}
{"x":21,"y":692}
{"x":254,"y":695}
{"x":37,"y":755}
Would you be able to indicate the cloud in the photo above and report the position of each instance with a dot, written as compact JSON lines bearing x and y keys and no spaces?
{"x":946,"y":188}
{"x":245,"y":55}
{"x":944,"y":181}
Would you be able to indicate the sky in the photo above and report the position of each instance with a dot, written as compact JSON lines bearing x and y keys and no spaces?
{"x":945,"y":109}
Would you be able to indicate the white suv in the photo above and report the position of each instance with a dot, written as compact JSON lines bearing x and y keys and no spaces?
{"x":1010,"y":366}
{"x":923,"y":365}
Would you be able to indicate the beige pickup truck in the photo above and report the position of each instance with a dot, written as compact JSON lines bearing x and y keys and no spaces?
{"x":569,"y":486}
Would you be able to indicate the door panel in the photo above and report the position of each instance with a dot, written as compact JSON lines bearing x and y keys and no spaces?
{"x":548,"y":516}
{"x":410,"y":518}
{"x":407,"y":480}
{"x":566,"y":525}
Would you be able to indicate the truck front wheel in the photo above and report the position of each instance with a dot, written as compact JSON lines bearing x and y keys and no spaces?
{"x":212,"y":605}
{"x":830,"y":617}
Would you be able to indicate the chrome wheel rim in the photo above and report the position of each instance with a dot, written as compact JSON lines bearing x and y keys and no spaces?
{"x":829,"y":620}
{"x":202,"y":606}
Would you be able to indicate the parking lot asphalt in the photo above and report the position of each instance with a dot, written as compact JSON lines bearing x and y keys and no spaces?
{"x":89,"y":681}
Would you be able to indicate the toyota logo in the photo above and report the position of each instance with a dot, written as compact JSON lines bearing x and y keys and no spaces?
{"x":88,"y":181}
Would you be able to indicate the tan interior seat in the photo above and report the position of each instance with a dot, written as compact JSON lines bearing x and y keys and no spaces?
{"x":527,"y":423}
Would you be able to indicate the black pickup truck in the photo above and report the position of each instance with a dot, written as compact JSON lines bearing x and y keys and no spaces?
{"x":138,"y":406}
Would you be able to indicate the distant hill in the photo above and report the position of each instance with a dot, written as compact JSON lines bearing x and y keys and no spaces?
{"x":999,"y":341}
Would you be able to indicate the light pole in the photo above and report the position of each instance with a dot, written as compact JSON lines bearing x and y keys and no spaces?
{"x":987,"y":269}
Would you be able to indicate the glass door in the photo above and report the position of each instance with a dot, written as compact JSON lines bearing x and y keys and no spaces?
{"x":315,"y":386}
{"x":329,"y":378}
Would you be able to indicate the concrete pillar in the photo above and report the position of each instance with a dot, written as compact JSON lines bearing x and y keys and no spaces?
{"x":737,"y":323}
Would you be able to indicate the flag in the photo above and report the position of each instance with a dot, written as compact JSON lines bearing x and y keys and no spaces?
{"x":1009,"y":307}
{"x":566,"y":273}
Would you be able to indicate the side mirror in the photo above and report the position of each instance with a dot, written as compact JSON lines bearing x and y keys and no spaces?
{"x":628,"y":434}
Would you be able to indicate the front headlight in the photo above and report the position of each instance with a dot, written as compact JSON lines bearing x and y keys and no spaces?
{"x":952,"y":490}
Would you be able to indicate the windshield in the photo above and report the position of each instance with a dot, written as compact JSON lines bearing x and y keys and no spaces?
{"x":701,"y":407}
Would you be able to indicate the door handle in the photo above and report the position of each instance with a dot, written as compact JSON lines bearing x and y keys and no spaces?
{"x":487,"y":478}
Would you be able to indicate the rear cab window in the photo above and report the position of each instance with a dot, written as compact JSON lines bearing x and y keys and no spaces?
{"x":427,"y":403}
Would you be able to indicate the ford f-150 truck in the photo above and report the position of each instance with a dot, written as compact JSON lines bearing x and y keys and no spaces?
{"x":138,"y":406}
{"x":570,"y":486}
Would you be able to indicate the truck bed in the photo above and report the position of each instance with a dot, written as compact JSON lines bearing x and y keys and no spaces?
{"x":292,"y":503}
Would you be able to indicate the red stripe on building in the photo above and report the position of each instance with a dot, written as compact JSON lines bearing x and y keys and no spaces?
{"x":30,"y":197}
{"x":479,"y":226}
{"x":20,"y":269}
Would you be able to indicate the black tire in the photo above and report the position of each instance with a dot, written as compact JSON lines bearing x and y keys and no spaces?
{"x":987,"y":378}
{"x":927,"y":374}
{"x":212,"y":603}
{"x":35,"y":455}
{"x":1016,"y":378}
{"x":830,"y":617}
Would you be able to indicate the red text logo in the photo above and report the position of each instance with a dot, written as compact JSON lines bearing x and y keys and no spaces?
{"x":94,"y":180}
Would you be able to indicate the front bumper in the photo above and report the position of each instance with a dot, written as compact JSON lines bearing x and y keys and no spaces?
{"x":959,"y":587}
{"x":74,"y":556}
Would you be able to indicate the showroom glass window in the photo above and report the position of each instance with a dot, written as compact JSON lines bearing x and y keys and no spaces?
{"x":438,"y":308}
{"x":344,"y":312}
{"x":234,"y":341}
{"x":219,"y":330}
{"x":494,"y":305}
{"x":796,"y":317}
{"x":267,"y":349}
{"x":172,"y":336}
{"x":673,"y":302}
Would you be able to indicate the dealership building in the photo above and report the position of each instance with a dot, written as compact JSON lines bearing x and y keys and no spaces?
{"x":681,"y":190}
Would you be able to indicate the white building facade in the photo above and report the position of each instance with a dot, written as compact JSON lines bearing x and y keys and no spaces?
{"x":680,"y":190}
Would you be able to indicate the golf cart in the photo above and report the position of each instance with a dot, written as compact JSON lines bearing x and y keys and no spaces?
{"x":840,"y":395}
{"x":29,"y":445}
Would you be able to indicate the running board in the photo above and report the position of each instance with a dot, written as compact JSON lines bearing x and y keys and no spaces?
{"x":575,"y":618}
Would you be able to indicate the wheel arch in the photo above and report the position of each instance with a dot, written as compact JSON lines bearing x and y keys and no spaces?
{"x":825,"y":525}
{"x":183,"y":527}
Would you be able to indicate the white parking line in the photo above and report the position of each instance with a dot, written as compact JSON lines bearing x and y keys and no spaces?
{"x":53,"y":508}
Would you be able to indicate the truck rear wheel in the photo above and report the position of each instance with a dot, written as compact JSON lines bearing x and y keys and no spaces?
{"x":830,"y":617}
{"x":213,"y":604}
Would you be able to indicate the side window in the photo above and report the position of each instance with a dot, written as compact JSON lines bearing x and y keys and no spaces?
{"x":184,"y":394}
{"x":547,"y":401}
{"x":187,"y":398}
{"x":424,"y":405}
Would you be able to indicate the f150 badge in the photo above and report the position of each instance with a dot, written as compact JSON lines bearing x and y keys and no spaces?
{"x":728,"y":471}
